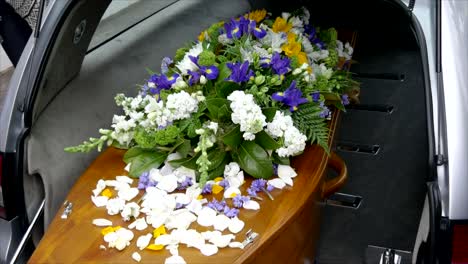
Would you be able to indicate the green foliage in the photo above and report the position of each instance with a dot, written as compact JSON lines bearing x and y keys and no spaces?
{"x":233,"y":137}
{"x":332,"y":60}
{"x":254,"y":160}
{"x":145,"y":139}
{"x":206,"y":58}
{"x":308,"y":121}
{"x":218,"y":108}
{"x":143,"y":160}
{"x":166,"y":136}
{"x":266,"y":141}
{"x":87,"y":146}
{"x":180,"y":54}
{"x":329,"y":36}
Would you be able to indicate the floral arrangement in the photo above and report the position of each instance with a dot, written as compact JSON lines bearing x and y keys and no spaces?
{"x":252,"y":90}
{"x":246,"y":97}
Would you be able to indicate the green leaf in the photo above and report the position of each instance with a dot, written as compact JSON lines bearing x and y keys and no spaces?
{"x":133,"y":153}
{"x":269,"y":112}
{"x":219,"y":170}
{"x":225,"y":88}
{"x":146,"y":161}
{"x":218,"y":107}
{"x":266,"y":141}
{"x":234,"y":137}
{"x":280,"y":160}
{"x":224,"y":72}
{"x":189,"y":162}
{"x":215,"y":156}
{"x":254,"y":160}
{"x":184,"y":148}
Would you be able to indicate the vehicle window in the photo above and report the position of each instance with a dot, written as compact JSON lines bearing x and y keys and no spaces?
{"x":121,"y":15}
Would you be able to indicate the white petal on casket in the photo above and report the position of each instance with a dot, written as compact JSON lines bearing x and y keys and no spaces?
{"x":100,"y":186}
{"x":175,"y":260}
{"x":209,"y":249}
{"x":173,"y":249}
{"x":167,"y":169}
{"x":168,"y":183}
{"x":278,"y":183}
{"x":155,"y":175}
{"x":286,"y":171}
{"x":195,"y":206}
{"x":127,"y":168}
{"x":236,"y":225}
{"x":143,"y":241}
{"x":136,"y":256}
{"x":236,"y":244}
{"x":102,"y":222}
{"x":124,"y":179}
{"x":221,"y":222}
{"x":100,"y":201}
{"x":207,"y":235}
{"x":141,"y":225}
{"x":112,"y":183}
{"x":222,"y":241}
{"x":120,"y":244}
{"x":125,"y":234}
{"x":287,"y":180}
{"x":181,"y":198}
{"x":228,"y":193}
{"x":110,"y":237}
{"x":206,"y":217}
{"x":165,"y":240}
{"x":191,"y":238}
{"x":251,"y":205}
{"x":128,"y":194}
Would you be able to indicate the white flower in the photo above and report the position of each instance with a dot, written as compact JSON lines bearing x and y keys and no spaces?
{"x":279,"y":125}
{"x":305,"y":16}
{"x":181,"y":105}
{"x":233,"y":174}
{"x":186,"y":63}
{"x":223,"y":39}
{"x":136,"y":101}
{"x":322,"y":70}
{"x":115,"y":205}
{"x":294,"y":143}
{"x":274,"y":40}
{"x":130,"y":210}
{"x":345,"y":51}
{"x":246,"y":113}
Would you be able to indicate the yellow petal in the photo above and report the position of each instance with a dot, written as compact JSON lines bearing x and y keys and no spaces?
{"x":302,"y":58}
{"x":107,"y":230}
{"x":292,"y":37}
{"x":116,"y":228}
{"x":200,"y":197}
{"x":106,"y":192}
{"x":233,"y":195}
{"x":218,"y":179}
{"x":257,"y":15}
{"x":201,"y":37}
{"x":159,"y":231}
{"x":155,"y":247}
{"x":281,"y":25}
{"x":217,"y":189}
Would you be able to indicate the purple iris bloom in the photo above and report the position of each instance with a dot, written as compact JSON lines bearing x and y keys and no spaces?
{"x":240,"y":72}
{"x":162,"y":82}
{"x":207,"y":188}
{"x":166,"y":61}
{"x":257,"y":32}
{"x":291,"y":97}
{"x":210,"y":72}
{"x":231,"y":212}
{"x":345,"y":99}
{"x":315,"y":96}
{"x":237,"y":28}
{"x":280,"y":66}
{"x":325,"y":111}
{"x":313,"y":36}
{"x":194,"y":77}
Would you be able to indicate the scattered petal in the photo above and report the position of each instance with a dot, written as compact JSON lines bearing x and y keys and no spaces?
{"x":221,"y":222}
{"x":102,"y":222}
{"x":102,"y":247}
{"x":127,"y":168}
{"x":209,"y":249}
{"x":206,"y":217}
{"x":173,"y":249}
{"x":107,"y":193}
{"x":222,"y":241}
{"x":207,"y":235}
{"x":100,"y":186}
{"x":236,"y":245}
{"x":251,"y":205}
{"x":136,"y":256}
{"x":124,"y":179}
{"x":217,"y":189}
{"x":100,"y":201}
{"x":128,"y":194}
{"x":168,"y":183}
{"x":236,"y":225}
{"x":286,"y":171}
{"x":175,"y":260}
{"x":165,"y":240}
{"x":161,"y":230}
{"x":278,"y":183}
{"x":231,"y":192}
{"x":139,"y":224}
{"x":143,"y":241}
{"x":155,"y":247}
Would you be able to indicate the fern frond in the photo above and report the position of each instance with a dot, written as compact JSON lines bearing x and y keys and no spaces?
{"x":307,"y":119}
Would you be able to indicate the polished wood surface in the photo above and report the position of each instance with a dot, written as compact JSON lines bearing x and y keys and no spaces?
{"x":287,"y":226}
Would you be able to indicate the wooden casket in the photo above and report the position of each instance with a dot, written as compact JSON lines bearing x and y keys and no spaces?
{"x":288,"y":226}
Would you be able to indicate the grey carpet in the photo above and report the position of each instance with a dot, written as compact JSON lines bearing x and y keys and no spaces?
{"x":392,"y":183}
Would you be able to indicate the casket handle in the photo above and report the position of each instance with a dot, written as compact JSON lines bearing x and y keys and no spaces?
{"x":331,"y":186}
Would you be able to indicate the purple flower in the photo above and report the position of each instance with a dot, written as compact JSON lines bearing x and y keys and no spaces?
{"x":291,"y":97}
{"x":239,"y":200}
{"x":258,"y":184}
{"x":257,"y":32}
{"x":144,"y":90}
{"x":270,"y":188}
{"x":162,"y":82}
{"x":179,"y":205}
{"x":166,"y":61}
{"x":207,"y":188}
{"x":210,"y":72}
{"x":224,"y":183}
{"x":231,"y":212}
{"x":280,"y":66}
{"x":325,"y":111}
{"x":216,"y":205}
{"x":275,"y":169}
{"x":252,"y":192}
{"x":240,"y":72}
{"x":345,"y":99}
{"x":185,"y":184}
{"x":313,"y":36}
{"x":145,"y":182}
{"x":194,"y":77}
{"x":237,"y":28}
{"x":315,"y":96}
